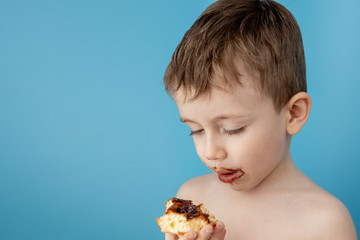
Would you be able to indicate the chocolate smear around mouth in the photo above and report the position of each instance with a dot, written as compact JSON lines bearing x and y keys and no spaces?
{"x":229,"y":177}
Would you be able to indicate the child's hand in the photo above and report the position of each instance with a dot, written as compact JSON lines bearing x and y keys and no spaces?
{"x":207,"y":233}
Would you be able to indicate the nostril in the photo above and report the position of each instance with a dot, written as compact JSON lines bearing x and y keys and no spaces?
{"x":218,"y":155}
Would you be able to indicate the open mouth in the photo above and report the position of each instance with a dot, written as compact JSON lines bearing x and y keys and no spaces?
{"x":229,"y":176}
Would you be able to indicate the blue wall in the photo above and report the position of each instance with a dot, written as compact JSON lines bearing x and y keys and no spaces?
{"x":89,"y":138}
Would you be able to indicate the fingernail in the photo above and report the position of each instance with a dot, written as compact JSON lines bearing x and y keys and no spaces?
{"x":219,"y":225}
{"x":208,"y":230}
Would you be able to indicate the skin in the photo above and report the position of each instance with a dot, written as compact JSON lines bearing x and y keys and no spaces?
{"x":238,"y":128}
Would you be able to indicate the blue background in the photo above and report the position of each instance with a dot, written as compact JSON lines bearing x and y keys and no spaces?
{"x":89,"y":139}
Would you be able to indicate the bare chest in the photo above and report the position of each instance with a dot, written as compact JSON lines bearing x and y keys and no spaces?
{"x":262,"y":220}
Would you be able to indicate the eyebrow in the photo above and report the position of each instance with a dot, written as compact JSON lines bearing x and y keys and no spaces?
{"x":221,"y":117}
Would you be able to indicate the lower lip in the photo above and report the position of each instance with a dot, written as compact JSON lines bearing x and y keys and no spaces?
{"x":230,"y":177}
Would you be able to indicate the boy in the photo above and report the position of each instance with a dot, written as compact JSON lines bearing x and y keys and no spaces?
{"x":238,"y":79}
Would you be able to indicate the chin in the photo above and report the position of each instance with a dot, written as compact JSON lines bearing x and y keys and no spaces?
{"x":239,"y":186}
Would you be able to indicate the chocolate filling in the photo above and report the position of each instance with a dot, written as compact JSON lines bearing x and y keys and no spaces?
{"x":187,"y":208}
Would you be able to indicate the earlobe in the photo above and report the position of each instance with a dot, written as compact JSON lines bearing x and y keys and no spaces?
{"x":298,"y":111}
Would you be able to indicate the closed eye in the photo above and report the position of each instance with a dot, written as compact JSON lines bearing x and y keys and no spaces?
{"x":235,"y":131}
{"x":196,"y":132}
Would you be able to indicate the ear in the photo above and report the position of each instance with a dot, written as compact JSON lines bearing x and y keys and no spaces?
{"x":298,"y":110}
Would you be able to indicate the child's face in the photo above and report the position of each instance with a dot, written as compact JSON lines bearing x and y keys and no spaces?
{"x":237,"y":134}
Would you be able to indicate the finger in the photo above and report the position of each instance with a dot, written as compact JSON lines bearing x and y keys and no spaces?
{"x":189,"y":236}
{"x":206,"y":232}
{"x":171,"y":236}
{"x":219,"y":231}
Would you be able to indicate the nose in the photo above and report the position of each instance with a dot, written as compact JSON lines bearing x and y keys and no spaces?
{"x":214,"y":149}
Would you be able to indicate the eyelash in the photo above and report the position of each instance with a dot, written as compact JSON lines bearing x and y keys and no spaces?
{"x":195,"y":132}
{"x":235,"y":131}
{"x":228,"y":132}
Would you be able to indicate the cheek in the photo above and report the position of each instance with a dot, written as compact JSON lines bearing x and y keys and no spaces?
{"x":264,"y":150}
{"x":199,"y":148}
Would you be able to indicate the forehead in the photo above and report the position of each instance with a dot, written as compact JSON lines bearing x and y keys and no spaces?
{"x":241,"y":99}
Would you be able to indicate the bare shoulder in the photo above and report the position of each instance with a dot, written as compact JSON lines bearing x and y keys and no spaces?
{"x":196,"y":188}
{"x":330,"y":218}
